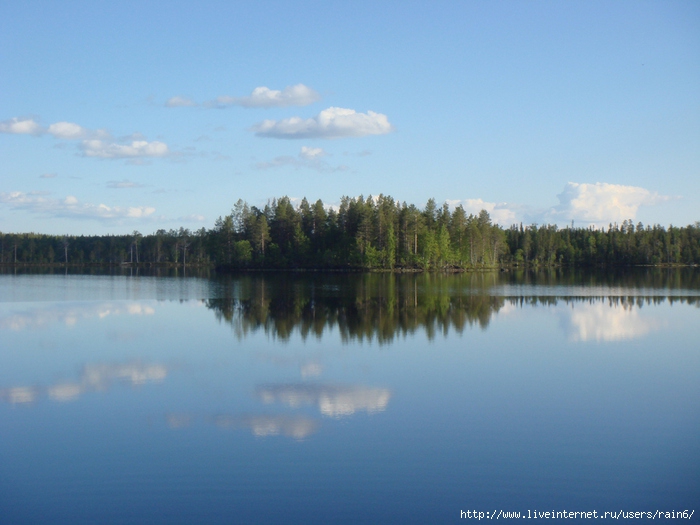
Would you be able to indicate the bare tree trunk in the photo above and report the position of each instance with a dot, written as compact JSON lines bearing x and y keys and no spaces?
{"x":185,"y":245}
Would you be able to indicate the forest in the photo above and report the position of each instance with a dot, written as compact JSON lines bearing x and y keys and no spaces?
{"x":373,"y":233}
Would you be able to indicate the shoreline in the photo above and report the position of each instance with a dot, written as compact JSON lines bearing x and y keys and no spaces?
{"x":233,"y":270}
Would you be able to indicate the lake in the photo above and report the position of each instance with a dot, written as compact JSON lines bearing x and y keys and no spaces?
{"x":347,"y":398}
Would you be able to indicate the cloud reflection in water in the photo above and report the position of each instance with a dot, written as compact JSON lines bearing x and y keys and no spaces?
{"x":332,"y":400}
{"x":601,"y":322}
{"x":68,"y":314}
{"x":297,"y":427}
{"x":19,"y":394}
{"x":65,"y":391}
{"x":94,"y":377}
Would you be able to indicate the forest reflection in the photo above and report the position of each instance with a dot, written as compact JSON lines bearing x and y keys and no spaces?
{"x":382,"y":307}
{"x":361,"y":307}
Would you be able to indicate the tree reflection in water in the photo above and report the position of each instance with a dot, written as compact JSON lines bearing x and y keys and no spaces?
{"x":381,"y":306}
{"x":360,"y":306}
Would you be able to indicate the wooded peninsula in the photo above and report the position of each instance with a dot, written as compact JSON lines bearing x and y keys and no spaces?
{"x":373,"y":233}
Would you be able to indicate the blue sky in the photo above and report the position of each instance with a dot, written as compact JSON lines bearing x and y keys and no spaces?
{"x":122,"y":116}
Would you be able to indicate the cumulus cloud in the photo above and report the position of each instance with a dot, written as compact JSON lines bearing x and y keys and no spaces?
{"x":179,"y":102}
{"x":59,"y":130}
{"x":311,"y":158}
{"x":596,"y":204}
{"x":94,"y":143}
{"x":331,"y":123}
{"x":601,"y":203}
{"x":71,"y":207}
{"x":113,"y":150}
{"x":21,"y":127}
{"x":67,"y":130}
{"x":264,"y":97}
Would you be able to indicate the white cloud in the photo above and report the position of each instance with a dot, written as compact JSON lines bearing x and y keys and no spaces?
{"x":601,"y":203}
{"x":596,"y":204}
{"x":67,"y":130}
{"x":112,"y":150}
{"x":95,"y":143}
{"x":59,"y":130}
{"x":263,"y":97}
{"x":21,"y":127}
{"x":311,"y":153}
{"x":71,"y":207}
{"x":48,"y":176}
{"x":331,"y":123}
{"x":500,"y":213}
{"x":179,"y":102}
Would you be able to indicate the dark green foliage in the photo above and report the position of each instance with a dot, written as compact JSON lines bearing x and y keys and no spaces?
{"x":364,"y":233}
{"x":623,"y":245}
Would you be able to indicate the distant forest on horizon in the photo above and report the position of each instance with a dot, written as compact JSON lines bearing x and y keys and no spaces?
{"x":363,"y":233}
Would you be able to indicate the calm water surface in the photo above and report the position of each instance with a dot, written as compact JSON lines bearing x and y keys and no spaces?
{"x":346,"y":398}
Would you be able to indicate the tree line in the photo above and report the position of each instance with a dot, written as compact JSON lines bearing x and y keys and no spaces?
{"x":363,"y":233}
